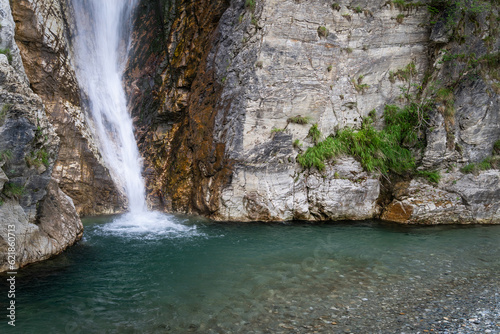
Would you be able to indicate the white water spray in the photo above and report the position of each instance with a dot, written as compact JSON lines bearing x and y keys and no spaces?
{"x":101,"y":46}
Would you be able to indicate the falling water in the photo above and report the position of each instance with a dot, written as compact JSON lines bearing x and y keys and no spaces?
{"x":101,"y":46}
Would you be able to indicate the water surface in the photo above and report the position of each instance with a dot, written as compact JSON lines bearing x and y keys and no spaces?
{"x":189,"y":275}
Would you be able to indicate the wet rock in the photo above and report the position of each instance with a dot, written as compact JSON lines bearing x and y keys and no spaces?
{"x":43,"y":34}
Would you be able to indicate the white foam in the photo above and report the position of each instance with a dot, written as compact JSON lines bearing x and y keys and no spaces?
{"x":149,"y":225}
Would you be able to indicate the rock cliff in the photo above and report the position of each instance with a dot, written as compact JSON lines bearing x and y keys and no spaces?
{"x":225,"y":94}
{"x":43,"y":34}
{"x":41,"y":218}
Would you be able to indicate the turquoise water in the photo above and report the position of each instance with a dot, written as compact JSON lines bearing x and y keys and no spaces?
{"x":197,"y":276}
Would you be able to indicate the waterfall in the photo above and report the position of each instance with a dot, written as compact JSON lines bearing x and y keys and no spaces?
{"x":100,"y":48}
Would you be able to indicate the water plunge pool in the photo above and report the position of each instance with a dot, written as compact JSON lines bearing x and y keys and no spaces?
{"x":187,"y":275}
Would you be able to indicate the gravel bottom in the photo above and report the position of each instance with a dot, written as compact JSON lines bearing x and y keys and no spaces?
{"x":442,"y":305}
{"x":454,"y":306}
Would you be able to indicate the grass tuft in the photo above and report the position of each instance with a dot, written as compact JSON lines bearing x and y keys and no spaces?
{"x":250,"y":4}
{"x":299,"y":120}
{"x":323,"y":31}
{"x":432,"y":176}
{"x":384,"y":151}
{"x":314,"y":133}
{"x":13,"y":190}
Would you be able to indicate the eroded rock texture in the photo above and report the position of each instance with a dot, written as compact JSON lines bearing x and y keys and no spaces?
{"x":43,"y":30}
{"x":43,"y":218}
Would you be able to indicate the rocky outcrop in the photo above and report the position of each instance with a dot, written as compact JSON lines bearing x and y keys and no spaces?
{"x":32,"y":206}
{"x":222,"y":81}
{"x":464,"y":125}
{"x":43,"y":30}
{"x":460,"y":199}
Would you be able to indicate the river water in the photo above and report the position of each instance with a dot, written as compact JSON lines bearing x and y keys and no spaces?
{"x":189,"y":275}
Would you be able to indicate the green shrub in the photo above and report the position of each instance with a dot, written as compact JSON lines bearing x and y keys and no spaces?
{"x":467,"y":169}
{"x":384,"y":151}
{"x":323,"y":31}
{"x":336,"y":6}
{"x":486,"y":164}
{"x":359,"y":85}
{"x":347,"y":17}
{"x":404,"y":74}
{"x":276,"y":130}
{"x":297,"y":143}
{"x":299,"y":120}
{"x":358,"y":10}
{"x":403,"y":5}
{"x":446,"y":96}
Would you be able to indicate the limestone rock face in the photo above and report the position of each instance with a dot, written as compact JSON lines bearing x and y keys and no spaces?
{"x":214,"y":150}
{"x":43,"y":30}
{"x":281,"y":191}
{"x":462,"y":199}
{"x":57,"y":228}
{"x":43,"y":218}
{"x":217,"y":89}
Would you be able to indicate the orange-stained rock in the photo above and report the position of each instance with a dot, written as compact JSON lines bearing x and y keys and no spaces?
{"x":174,"y":98}
{"x":397,"y":212}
